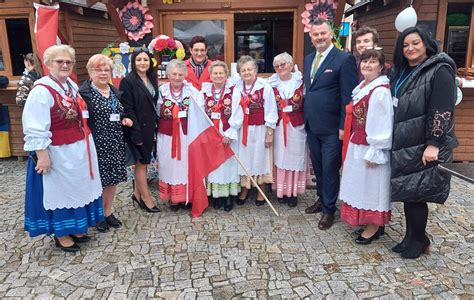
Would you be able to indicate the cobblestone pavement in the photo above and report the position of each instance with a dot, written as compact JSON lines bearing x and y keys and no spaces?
{"x":247,"y":253}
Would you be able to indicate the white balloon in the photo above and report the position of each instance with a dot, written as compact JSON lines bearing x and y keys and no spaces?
{"x":406,"y":18}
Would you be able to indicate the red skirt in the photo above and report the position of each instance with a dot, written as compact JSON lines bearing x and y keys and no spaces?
{"x":176,"y":193}
{"x":358,"y":217}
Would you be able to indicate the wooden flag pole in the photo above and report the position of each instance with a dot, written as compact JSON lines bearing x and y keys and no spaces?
{"x":256,"y":185}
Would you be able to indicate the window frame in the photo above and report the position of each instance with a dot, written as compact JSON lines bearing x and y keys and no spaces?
{"x":441,"y":28}
{"x":17,"y":13}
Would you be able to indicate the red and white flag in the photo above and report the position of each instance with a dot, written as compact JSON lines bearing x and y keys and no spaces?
{"x":205,"y":154}
{"x":46,"y":28}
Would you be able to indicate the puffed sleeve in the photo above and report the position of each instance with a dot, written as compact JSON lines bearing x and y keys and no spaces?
{"x":36,"y":119}
{"x":237,"y":117}
{"x":271,"y":110}
{"x":379,"y":126}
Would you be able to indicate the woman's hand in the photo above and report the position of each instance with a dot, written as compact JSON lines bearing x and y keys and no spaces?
{"x":43,"y":165}
{"x":127,"y":122}
{"x":430,"y":154}
{"x":370,"y":164}
{"x":269,"y":138}
{"x":226,"y":141}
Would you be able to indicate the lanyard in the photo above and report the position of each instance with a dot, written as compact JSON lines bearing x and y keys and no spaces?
{"x":247,"y":91}
{"x":113,"y":103}
{"x":214,"y":94}
{"x":400,"y":81}
{"x":68,"y":92}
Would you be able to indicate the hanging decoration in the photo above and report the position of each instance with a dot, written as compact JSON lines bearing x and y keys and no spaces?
{"x":325,"y":9}
{"x":165,"y":49}
{"x":405,"y":19}
{"x":136,"y":20}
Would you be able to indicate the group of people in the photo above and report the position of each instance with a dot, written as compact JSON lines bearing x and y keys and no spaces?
{"x":388,"y":135}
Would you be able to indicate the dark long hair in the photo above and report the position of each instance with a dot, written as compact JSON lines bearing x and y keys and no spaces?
{"x":151,"y":74}
{"x":399,"y":60}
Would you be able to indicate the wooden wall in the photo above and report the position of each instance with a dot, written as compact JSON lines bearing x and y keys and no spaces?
{"x":382,"y":18}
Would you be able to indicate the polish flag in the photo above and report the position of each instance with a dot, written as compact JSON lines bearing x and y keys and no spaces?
{"x":46,"y":28}
{"x":205,"y":154}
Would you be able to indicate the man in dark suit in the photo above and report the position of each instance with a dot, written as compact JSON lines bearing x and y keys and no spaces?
{"x":330,"y":75}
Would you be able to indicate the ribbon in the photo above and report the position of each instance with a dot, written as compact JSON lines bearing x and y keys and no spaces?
{"x":176,"y":140}
{"x":244,"y":103}
{"x":285,"y":117}
{"x":85,"y":128}
{"x":347,"y":130}
{"x":216,"y":108}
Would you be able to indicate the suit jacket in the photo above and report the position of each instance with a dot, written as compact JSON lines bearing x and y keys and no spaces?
{"x":192,"y":78}
{"x":331,"y":90}
{"x":139,"y":106}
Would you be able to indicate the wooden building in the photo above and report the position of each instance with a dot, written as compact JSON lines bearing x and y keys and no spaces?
{"x":87,"y":29}
{"x":451,"y":22}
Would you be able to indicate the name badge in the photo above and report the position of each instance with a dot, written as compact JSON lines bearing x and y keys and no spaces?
{"x":114,"y":117}
{"x":182,"y":114}
{"x":288,"y":108}
{"x":85,"y":114}
{"x":216,"y":116}
{"x":247,"y":111}
{"x":395,"y":101}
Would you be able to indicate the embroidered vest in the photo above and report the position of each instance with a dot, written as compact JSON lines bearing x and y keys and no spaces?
{"x":165,"y":123}
{"x":224,"y":107}
{"x":296,"y":116}
{"x":359,"y":120}
{"x":256,"y":108}
{"x":66,"y":119}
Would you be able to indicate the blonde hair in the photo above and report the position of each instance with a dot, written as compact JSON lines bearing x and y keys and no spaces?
{"x":218,"y":63}
{"x":98,"y":60}
{"x":55,"y":50}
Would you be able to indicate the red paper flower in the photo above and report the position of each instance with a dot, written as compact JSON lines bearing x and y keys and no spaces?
{"x":171,"y":44}
{"x":161,"y":44}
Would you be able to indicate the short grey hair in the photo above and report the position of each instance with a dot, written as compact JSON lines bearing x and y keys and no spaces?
{"x":245,"y":59}
{"x":177,"y":64}
{"x":284,"y":57}
{"x":218,"y":63}
{"x":55,"y":50}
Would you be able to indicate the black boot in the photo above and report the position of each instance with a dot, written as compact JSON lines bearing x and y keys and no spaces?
{"x":292,"y":201}
{"x":419,"y":242}
{"x":283,"y":200}
{"x":218,"y":202}
{"x":229,"y":203}
{"x":400,"y":247}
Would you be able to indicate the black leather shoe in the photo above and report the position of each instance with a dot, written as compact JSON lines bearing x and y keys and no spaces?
{"x":326,"y":221}
{"x":135,"y":201}
{"x":315,"y":208}
{"x":80,"y":239}
{"x":240,"y":201}
{"x":218,"y":202}
{"x":283,"y":200}
{"x":292,"y":201}
{"x":186,"y":206}
{"x":381,"y":231}
{"x":259,"y":202}
{"x":414,"y":249}
{"x":102,"y":226}
{"x":175,"y":207}
{"x":229,"y":204}
{"x":154,"y":209}
{"x":73,"y":248}
{"x":113,"y":221}
{"x":365,"y":241}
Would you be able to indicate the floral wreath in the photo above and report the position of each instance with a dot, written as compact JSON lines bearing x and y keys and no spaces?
{"x":325,"y":9}
{"x":136,"y":20}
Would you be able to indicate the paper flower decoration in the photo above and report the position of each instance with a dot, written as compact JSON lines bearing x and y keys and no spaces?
{"x":135,"y":20}
{"x":325,"y":9}
{"x":164,"y":45}
{"x":124,"y":48}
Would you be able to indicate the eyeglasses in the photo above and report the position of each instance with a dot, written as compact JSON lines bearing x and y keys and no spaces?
{"x":62,"y":62}
{"x":141,"y":49}
{"x":280,"y":66}
{"x":102,"y":70}
{"x":373,"y":48}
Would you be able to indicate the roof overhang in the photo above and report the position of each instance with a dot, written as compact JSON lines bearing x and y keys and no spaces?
{"x":85,"y":3}
{"x":359,"y":5}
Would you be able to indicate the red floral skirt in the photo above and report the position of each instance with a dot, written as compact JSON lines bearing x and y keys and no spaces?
{"x":174,"y":192}
{"x":358,"y":217}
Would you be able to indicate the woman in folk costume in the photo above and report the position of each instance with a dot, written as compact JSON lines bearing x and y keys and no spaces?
{"x":171,"y":144}
{"x":253,"y":120}
{"x":224,"y":182}
{"x":63,"y":187}
{"x":290,"y":152}
{"x":365,"y":182}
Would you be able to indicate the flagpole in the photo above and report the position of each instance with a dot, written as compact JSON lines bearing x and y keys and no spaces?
{"x":256,"y":185}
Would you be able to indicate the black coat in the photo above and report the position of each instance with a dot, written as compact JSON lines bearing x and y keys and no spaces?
{"x":411,"y":181}
{"x":140,"y":107}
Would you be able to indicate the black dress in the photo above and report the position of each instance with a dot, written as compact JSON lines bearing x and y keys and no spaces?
{"x":140,"y":106}
{"x":108,"y":135}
